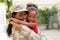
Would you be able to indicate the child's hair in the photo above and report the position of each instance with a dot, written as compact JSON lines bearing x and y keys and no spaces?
{"x":32,"y":9}
{"x":9,"y":29}
{"x":32,"y":5}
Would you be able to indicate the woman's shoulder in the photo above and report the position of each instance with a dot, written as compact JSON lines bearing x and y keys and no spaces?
{"x":24,"y":27}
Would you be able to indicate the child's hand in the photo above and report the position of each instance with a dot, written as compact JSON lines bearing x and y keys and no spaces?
{"x":15,"y":25}
{"x":15,"y":20}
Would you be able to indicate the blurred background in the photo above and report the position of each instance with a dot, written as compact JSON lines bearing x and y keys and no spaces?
{"x":48,"y":16}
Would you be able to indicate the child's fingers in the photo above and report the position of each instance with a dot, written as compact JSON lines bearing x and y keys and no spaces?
{"x":15,"y":20}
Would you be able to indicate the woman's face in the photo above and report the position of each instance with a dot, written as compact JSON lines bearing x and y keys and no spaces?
{"x":31,"y":15}
{"x":21,"y":15}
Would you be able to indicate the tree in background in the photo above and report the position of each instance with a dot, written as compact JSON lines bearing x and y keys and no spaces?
{"x":2,"y":1}
{"x":44,"y":14}
{"x":9,"y":8}
{"x":9,"y":4}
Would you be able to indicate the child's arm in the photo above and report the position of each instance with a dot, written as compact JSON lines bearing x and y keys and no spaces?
{"x":15,"y":25}
{"x":23,"y":22}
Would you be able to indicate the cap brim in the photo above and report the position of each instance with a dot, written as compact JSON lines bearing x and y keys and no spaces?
{"x":20,"y":10}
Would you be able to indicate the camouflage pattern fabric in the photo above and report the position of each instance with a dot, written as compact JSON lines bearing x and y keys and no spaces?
{"x":24,"y":34}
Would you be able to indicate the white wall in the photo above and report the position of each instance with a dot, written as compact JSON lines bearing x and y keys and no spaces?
{"x":40,"y":3}
{"x":2,"y":14}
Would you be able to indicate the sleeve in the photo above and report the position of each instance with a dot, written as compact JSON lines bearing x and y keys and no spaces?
{"x":36,"y":23}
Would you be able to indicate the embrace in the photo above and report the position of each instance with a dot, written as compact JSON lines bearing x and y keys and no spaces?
{"x":23,"y":24}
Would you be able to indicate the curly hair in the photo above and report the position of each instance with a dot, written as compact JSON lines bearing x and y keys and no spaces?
{"x":32,"y":5}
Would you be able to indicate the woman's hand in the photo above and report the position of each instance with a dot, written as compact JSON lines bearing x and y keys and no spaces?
{"x":17,"y":28}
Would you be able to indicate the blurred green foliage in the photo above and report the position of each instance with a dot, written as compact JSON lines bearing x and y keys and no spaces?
{"x":9,"y":5}
{"x":2,"y":0}
{"x":44,"y":14}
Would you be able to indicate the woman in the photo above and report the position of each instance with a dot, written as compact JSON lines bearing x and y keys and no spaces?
{"x":18,"y":14}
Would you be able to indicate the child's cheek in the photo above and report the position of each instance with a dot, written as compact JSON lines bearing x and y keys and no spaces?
{"x":31,"y":19}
